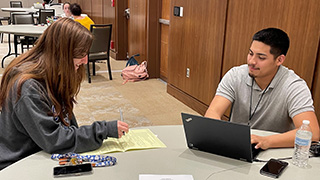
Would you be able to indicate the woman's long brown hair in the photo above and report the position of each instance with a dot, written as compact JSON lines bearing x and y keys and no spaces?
{"x":51,"y":61}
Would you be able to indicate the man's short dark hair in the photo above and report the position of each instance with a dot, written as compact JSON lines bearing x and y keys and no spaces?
{"x":277,"y":39}
{"x":75,"y":9}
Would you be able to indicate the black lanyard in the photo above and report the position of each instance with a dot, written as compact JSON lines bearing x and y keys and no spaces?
{"x":254,"y":111}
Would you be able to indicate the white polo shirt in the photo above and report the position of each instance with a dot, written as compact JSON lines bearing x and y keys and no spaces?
{"x":287,"y":96}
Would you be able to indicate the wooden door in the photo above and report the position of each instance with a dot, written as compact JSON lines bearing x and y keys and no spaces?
{"x":144,"y":33}
{"x":165,"y":15}
{"x":137,"y":32}
{"x":196,"y":43}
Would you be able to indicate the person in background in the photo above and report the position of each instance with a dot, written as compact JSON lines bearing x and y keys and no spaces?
{"x":76,"y":13}
{"x":46,"y":3}
{"x":266,"y":95}
{"x":37,"y":96}
{"x":66,"y":10}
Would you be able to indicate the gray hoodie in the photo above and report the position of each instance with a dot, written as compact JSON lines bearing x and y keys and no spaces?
{"x":28,"y":126}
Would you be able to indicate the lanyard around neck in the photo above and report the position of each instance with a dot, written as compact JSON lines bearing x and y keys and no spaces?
{"x":254,"y":111}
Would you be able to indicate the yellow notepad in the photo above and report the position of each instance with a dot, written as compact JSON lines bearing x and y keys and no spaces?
{"x":134,"y":140}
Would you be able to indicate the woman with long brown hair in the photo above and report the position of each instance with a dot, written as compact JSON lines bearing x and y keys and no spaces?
{"x":37,"y":95}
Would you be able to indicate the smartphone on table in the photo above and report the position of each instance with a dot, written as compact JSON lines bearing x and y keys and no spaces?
{"x":273,"y":168}
{"x":73,"y":170}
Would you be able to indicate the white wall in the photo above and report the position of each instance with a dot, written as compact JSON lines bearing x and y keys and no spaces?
{"x":25,"y":3}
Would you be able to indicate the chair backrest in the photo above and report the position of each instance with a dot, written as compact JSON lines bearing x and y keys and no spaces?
{"x":43,"y":14}
{"x":38,"y":6}
{"x":101,"y":38}
{"x":22,"y":18}
{"x":58,"y":8}
{"x":16,"y":4}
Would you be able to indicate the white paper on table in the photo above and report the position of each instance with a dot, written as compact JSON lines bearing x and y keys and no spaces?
{"x":164,"y":177}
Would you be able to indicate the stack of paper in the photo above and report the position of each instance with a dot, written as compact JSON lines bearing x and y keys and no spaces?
{"x":134,"y":140}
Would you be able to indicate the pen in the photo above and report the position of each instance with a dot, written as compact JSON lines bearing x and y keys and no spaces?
{"x":121,"y":118}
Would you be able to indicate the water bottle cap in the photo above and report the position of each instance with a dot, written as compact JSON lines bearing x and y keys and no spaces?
{"x":306,"y":122}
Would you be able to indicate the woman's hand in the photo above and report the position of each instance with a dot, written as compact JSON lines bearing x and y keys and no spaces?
{"x":122,"y":128}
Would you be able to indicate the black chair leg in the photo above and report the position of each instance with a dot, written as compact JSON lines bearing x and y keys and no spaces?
{"x":88,"y":72}
{"x":93,"y":68}
{"x":109,"y":69}
{"x":1,"y":34}
{"x":15,"y":42}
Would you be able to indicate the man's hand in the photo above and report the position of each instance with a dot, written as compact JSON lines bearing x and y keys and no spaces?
{"x":261,"y":141}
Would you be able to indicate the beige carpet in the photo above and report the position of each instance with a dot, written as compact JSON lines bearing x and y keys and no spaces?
{"x":144,"y":103}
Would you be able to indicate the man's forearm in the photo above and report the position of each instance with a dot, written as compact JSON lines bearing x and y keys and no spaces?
{"x":282,"y":140}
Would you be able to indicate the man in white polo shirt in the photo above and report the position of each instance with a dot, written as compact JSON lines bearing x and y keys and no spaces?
{"x":266,"y":95}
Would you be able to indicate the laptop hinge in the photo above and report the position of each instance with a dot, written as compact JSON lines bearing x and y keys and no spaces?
{"x":194,"y":148}
{"x":242,"y":159}
{"x":191,"y":146}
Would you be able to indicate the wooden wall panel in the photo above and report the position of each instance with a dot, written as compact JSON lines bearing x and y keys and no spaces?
{"x":137,"y":32}
{"x":153,"y":38}
{"x":86,"y":6}
{"x":196,"y":42}
{"x":97,"y":10}
{"x":165,"y":14}
{"x":144,"y":33}
{"x":165,"y":9}
{"x":316,"y":85}
{"x":121,"y":30}
{"x":300,"y":19}
{"x":164,"y":51}
{"x":74,"y":1}
{"x":109,"y":16}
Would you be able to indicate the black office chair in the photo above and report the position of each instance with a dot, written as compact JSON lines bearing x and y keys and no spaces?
{"x":3,"y":19}
{"x":22,"y":18}
{"x":100,"y":48}
{"x":16,"y":4}
{"x":43,"y":14}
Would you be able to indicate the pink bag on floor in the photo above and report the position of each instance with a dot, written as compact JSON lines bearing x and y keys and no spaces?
{"x":135,"y":72}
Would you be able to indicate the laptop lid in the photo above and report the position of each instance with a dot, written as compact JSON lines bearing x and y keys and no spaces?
{"x":218,"y":137}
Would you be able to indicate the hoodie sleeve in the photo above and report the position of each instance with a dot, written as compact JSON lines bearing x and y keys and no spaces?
{"x":33,"y":120}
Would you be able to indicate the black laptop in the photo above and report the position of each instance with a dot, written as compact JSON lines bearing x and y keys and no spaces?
{"x":219,"y":137}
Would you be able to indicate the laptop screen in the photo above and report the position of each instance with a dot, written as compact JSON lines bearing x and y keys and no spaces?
{"x":218,"y":137}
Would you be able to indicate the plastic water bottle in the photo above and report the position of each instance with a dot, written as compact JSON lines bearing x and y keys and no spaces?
{"x":302,"y":145}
